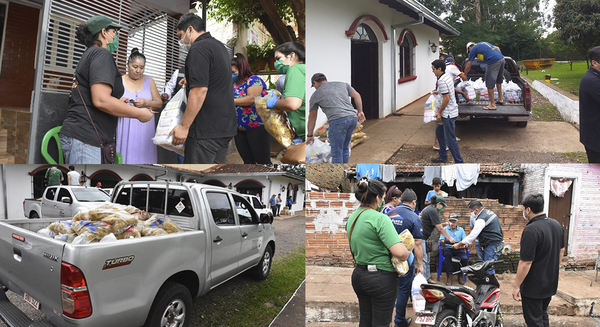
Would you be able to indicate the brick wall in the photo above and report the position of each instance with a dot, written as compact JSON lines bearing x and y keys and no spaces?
{"x":326,"y":215}
{"x":17,"y":74}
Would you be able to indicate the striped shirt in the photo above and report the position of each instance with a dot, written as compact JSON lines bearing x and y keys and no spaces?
{"x":445,"y":85}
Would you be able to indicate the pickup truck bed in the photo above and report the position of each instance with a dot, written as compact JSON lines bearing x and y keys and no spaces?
{"x":516,"y":112}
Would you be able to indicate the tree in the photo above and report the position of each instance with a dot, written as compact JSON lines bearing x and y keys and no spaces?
{"x":513,"y":25}
{"x":562,"y":50}
{"x":271,"y":13}
{"x":299,"y":170}
{"x":577,"y":23}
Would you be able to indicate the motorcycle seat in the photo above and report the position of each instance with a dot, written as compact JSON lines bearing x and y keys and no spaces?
{"x":464,"y":289}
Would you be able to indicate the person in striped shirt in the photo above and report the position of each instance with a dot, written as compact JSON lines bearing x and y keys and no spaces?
{"x":447,"y":114}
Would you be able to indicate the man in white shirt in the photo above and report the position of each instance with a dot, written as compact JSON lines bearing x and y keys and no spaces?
{"x":73,"y":176}
{"x":173,"y":86}
{"x":447,"y":114}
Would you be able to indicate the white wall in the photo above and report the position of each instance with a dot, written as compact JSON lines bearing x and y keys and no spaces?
{"x":328,"y":49}
{"x":19,"y":183}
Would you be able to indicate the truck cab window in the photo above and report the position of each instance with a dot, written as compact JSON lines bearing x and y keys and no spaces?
{"x":220,"y":208}
{"x":179,"y":203}
{"x":50,"y":193}
{"x":63,"y":192}
{"x":244,"y":211}
{"x":257,"y":204}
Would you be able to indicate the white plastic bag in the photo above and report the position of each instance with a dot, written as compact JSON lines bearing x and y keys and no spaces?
{"x":432,"y":105}
{"x":170,"y":117}
{"x":318,"y":152}
{"x":418,"y":300}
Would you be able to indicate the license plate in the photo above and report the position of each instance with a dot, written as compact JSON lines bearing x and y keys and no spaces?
{"x":31,"y":301}
{"x":425,"y":318}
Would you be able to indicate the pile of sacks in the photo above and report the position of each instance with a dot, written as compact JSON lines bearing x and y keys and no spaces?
{"x":109,"y":222}
{"x":511,"y":92}
{"x":357,"y":135}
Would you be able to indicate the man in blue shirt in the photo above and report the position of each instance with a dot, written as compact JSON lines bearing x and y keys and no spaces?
{"x":273,"y":203}
{"x":494,"y":73}
{"x":403,"y":217}
{"x":458,"y":234}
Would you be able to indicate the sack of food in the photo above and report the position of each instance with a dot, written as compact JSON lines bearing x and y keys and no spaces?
{"x":432,"y":105}
{"x":131,"y":232}
{"x":170,"y":117}
{"x":409,"y":243}
{"x":143,"y":215}
{"x":164,"y":223}
{"x":322,"y":131}
{"x":120,"y":222}
{"x":94,"y":230}
{"x":318,"y":152}
{"x":62,"y":227}
{"x":275,"y":120}
{"x":407,"y":239}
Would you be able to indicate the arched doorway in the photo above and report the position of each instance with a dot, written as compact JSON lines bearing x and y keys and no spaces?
{"x":107,"y":178}
{"x":39,"y":180}
{"x":141,"y":178}
{"x":364,"y":64}
{"x":250,"y":186}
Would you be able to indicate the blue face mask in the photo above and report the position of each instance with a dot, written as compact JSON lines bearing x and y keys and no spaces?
{"x":235,"y":77}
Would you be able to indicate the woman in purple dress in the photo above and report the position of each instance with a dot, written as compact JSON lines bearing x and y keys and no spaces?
{"x":134,"y":139}
{"x":253,"y":142}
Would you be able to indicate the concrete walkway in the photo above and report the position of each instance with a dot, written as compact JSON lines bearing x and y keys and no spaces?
{"x":330,"y":300}
{"x":388,"y":135}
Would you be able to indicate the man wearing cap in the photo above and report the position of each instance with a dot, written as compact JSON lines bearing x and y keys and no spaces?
{"x":210,"y":120}
{"x":458,"y":233}
{"x":430,"y":219}
{"x":404,"y":218}
{"x":494,"y":73}
{"x":542,"y":247}
{"x":334,"y":100}
{"x":487,"y":230}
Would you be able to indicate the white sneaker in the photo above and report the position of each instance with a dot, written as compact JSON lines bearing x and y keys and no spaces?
{"x":438,"y":148}
{"x":457,"y":139}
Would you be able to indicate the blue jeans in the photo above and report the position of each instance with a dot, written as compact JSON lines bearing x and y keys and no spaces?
{"x":492,"y":252}
{"x":445,"y":133}
{"x":449,"y":253}
{"x":77,"y":152}
{"x":426,"y":257}
{"x":376,"y":292}
{"x":340,"y":134}
{"x":404,"y":289}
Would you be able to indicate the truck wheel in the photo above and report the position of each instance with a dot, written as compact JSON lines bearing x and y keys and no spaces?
{"x":521,"y":124}
{"x":172,"y":307}
{"x":34,"y":215}
{"x":261,"y":271}
{"x":446,"y":318}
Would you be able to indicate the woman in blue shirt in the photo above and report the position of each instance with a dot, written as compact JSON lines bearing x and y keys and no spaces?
{"x":458,"y":233}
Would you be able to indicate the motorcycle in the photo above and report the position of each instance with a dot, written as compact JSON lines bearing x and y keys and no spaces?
{"x":461,"y":306}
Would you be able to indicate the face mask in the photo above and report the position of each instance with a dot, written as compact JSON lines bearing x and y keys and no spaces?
{"x":524,"y":216}
{"x":113,"y":46}
{"x":280,"y":67}
{"x":439,"y":209}
{"x":235,"y":77}
{"x":183,"y":46}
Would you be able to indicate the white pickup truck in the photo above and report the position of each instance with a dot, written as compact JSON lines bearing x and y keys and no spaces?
{"x":147,"y":281}
{"x":63,"y":201}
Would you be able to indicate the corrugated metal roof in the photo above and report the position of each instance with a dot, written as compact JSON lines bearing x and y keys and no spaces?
{"x":412,"y":8}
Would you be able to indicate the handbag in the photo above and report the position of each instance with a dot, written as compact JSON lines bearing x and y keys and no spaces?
{"x":295,"y":154}
{"x":350,"y":234}
{"x":109,"y":150}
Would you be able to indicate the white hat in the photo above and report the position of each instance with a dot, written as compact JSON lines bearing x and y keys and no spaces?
{"x":470,"y":44}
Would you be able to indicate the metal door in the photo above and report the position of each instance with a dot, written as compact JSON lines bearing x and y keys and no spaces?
{"x":560,"y":209}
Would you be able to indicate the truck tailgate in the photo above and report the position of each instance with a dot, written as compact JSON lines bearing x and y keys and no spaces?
{"x":475,"y":108}
{"x":31,"y":264}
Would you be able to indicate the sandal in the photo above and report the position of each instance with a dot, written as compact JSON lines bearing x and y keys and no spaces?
{"x":488,"y":108}
{"x":500,"y":103}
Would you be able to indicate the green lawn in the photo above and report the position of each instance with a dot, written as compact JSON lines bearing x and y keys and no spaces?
{"x":252,"y":303}
{"x":567,"y":80}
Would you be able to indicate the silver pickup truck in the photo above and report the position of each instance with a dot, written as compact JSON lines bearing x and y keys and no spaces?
{"x":63,"y":201}
{"x":147,"y":281}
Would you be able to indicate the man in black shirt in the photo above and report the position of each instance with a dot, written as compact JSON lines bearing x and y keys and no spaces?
{"x":542,"y":246}
{"x":210,"y":119}
{"x":430,"y":219}
{"x":589,"y":108}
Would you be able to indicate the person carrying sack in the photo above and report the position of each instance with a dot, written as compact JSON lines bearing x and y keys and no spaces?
{"x":372,"y":238}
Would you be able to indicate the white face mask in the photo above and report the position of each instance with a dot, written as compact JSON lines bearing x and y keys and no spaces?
{"x":524,"y":216}
{"x":183,"y":46}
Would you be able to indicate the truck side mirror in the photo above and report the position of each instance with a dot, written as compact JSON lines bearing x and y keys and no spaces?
{"x":65,"y":199}
{"x":266,"y":219}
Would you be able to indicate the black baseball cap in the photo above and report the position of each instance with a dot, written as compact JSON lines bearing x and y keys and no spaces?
{"x":97,"y":23}
{"x":317,"y":77}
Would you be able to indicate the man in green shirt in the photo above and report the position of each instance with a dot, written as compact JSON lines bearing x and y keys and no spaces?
{"x":54,"y":176}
